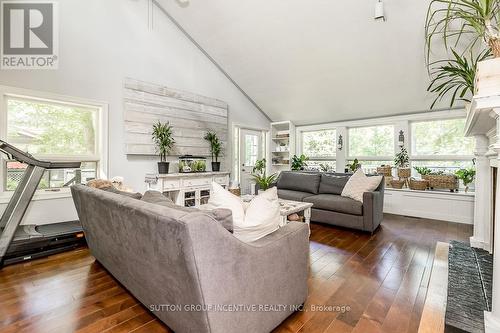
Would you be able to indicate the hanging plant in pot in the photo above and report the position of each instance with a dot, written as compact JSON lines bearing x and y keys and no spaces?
{"x":464,"y":22}
{"x":163,"y":140}
{"x":455,"y":76}
{"x":215,"y":149}
{"x":402,"y":162}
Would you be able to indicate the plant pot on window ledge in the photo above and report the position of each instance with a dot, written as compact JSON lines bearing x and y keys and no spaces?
{"x":216,"y":166}
{"x":163,"y":167}
{"x":404,"y":172}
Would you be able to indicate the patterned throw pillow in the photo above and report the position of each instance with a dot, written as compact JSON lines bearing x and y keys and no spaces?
{"x":358,"y":184}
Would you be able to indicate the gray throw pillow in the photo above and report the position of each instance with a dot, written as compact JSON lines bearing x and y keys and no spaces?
{"x":113,"y":189}
{"x":332,"y":184}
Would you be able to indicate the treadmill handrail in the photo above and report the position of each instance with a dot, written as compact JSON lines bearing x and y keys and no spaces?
{"x":27,"y":158}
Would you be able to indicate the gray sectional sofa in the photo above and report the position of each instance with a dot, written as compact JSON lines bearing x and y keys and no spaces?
{"x":187,"y":267}
{"x":323,"y":191}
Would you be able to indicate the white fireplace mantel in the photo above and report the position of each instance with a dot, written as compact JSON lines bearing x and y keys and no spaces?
{"x":483,"y":123}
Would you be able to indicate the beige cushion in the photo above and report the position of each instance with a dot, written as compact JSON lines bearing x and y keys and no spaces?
{"x":358,"y":184}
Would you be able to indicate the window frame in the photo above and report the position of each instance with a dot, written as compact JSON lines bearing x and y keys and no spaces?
{"x":101,"y":137}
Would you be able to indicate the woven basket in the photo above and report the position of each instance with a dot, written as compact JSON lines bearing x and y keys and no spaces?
{"x":388,"y":180}
{"x":385,"y":170}
{"x":397,"y":183}
{"x":404,"y":172}
{"x":235,"y":191}
{"x":449,"y":182}
{"x":420,"y":185}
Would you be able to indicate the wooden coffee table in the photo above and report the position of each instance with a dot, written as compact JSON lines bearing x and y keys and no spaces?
{"x":289,"y":207}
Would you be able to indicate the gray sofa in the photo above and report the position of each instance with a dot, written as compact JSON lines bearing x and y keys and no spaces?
{"x":323,"y":191}
{"x":185,"y":257}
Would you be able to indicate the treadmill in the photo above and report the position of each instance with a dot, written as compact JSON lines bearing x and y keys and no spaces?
{"x":25,"y":242}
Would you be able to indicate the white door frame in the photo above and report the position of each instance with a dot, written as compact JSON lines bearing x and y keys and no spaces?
{"x":236,"y":165}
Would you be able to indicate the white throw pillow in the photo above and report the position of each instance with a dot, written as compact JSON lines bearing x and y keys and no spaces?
{"x":358,"y":184}
{"x":221,"y":198}
{"x":262,"y":217}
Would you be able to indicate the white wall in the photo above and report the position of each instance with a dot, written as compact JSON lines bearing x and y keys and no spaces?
{"x":102,"y":42}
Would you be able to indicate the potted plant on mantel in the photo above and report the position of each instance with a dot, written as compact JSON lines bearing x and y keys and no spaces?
{"x":162,"y":137}
{"x":215,"y":149}
{"x":466,"y":24}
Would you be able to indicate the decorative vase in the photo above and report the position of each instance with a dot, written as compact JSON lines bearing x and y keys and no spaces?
{"x":216,"y":166}
{"x":163,"y":167}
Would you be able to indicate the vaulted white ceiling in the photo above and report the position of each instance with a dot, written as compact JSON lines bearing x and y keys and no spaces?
{"x":318,"y":60}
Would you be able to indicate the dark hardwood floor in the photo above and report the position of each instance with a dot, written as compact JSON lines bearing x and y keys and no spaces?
{"x":382,"y":278}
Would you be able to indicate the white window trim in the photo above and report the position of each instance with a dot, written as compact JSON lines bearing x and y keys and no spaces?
{"x":102,"y":149}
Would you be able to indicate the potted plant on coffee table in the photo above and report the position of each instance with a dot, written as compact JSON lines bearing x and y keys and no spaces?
{"x":215,"y":149}
{"x":163,"y":140}
{"x":262,"y":181}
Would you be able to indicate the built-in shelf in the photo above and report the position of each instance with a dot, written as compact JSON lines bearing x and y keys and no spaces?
{"x":280,"y":159}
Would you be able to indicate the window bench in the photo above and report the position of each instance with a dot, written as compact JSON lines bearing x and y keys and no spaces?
{"x":439,"y":205}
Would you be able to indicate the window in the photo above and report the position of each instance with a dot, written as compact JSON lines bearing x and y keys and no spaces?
{"x":321,"y":147}
{"x":251,"y":149}
{"x":440,"y":137}
{"x":440,"y":145}
{"x":52,"y":130}
{"x":319,"y":144}
{"x":371,"y":142}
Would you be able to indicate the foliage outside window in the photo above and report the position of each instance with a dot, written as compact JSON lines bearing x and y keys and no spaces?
{"x":440,"y":137}
{"x":322,"y":165}
{"x":52,"y":131}
{"x":375,"y":141}
{"x":319,"y":144}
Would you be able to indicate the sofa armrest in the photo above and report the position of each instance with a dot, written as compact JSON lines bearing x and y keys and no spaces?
{"x":373,"y":210}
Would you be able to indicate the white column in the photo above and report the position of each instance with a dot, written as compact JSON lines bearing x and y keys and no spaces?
{"x":483,"y":201}
{"x":492,"y":319}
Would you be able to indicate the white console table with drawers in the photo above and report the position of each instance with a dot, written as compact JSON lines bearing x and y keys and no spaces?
{"x":187,"y":189}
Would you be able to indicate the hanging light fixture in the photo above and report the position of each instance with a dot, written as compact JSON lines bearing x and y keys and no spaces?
{"x":379,"y":11}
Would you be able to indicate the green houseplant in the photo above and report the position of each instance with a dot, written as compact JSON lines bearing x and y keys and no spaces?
{"x":299,"y":162}
{"x":455,"y":76}
{"x":259,"y":175}
{"x":355,"y":165}
{"x":423,"y":171}
{"x":163,"y":140}
{"x":467,"y":176}
{"x":215,"y":149}
{"x":402,"y":162}
{"x":464,"y":22}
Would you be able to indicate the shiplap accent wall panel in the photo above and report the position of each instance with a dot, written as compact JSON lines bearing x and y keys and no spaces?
{"x":190,"y":115}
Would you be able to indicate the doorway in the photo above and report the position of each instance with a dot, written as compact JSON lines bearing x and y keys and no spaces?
{"x":251,"y":148}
